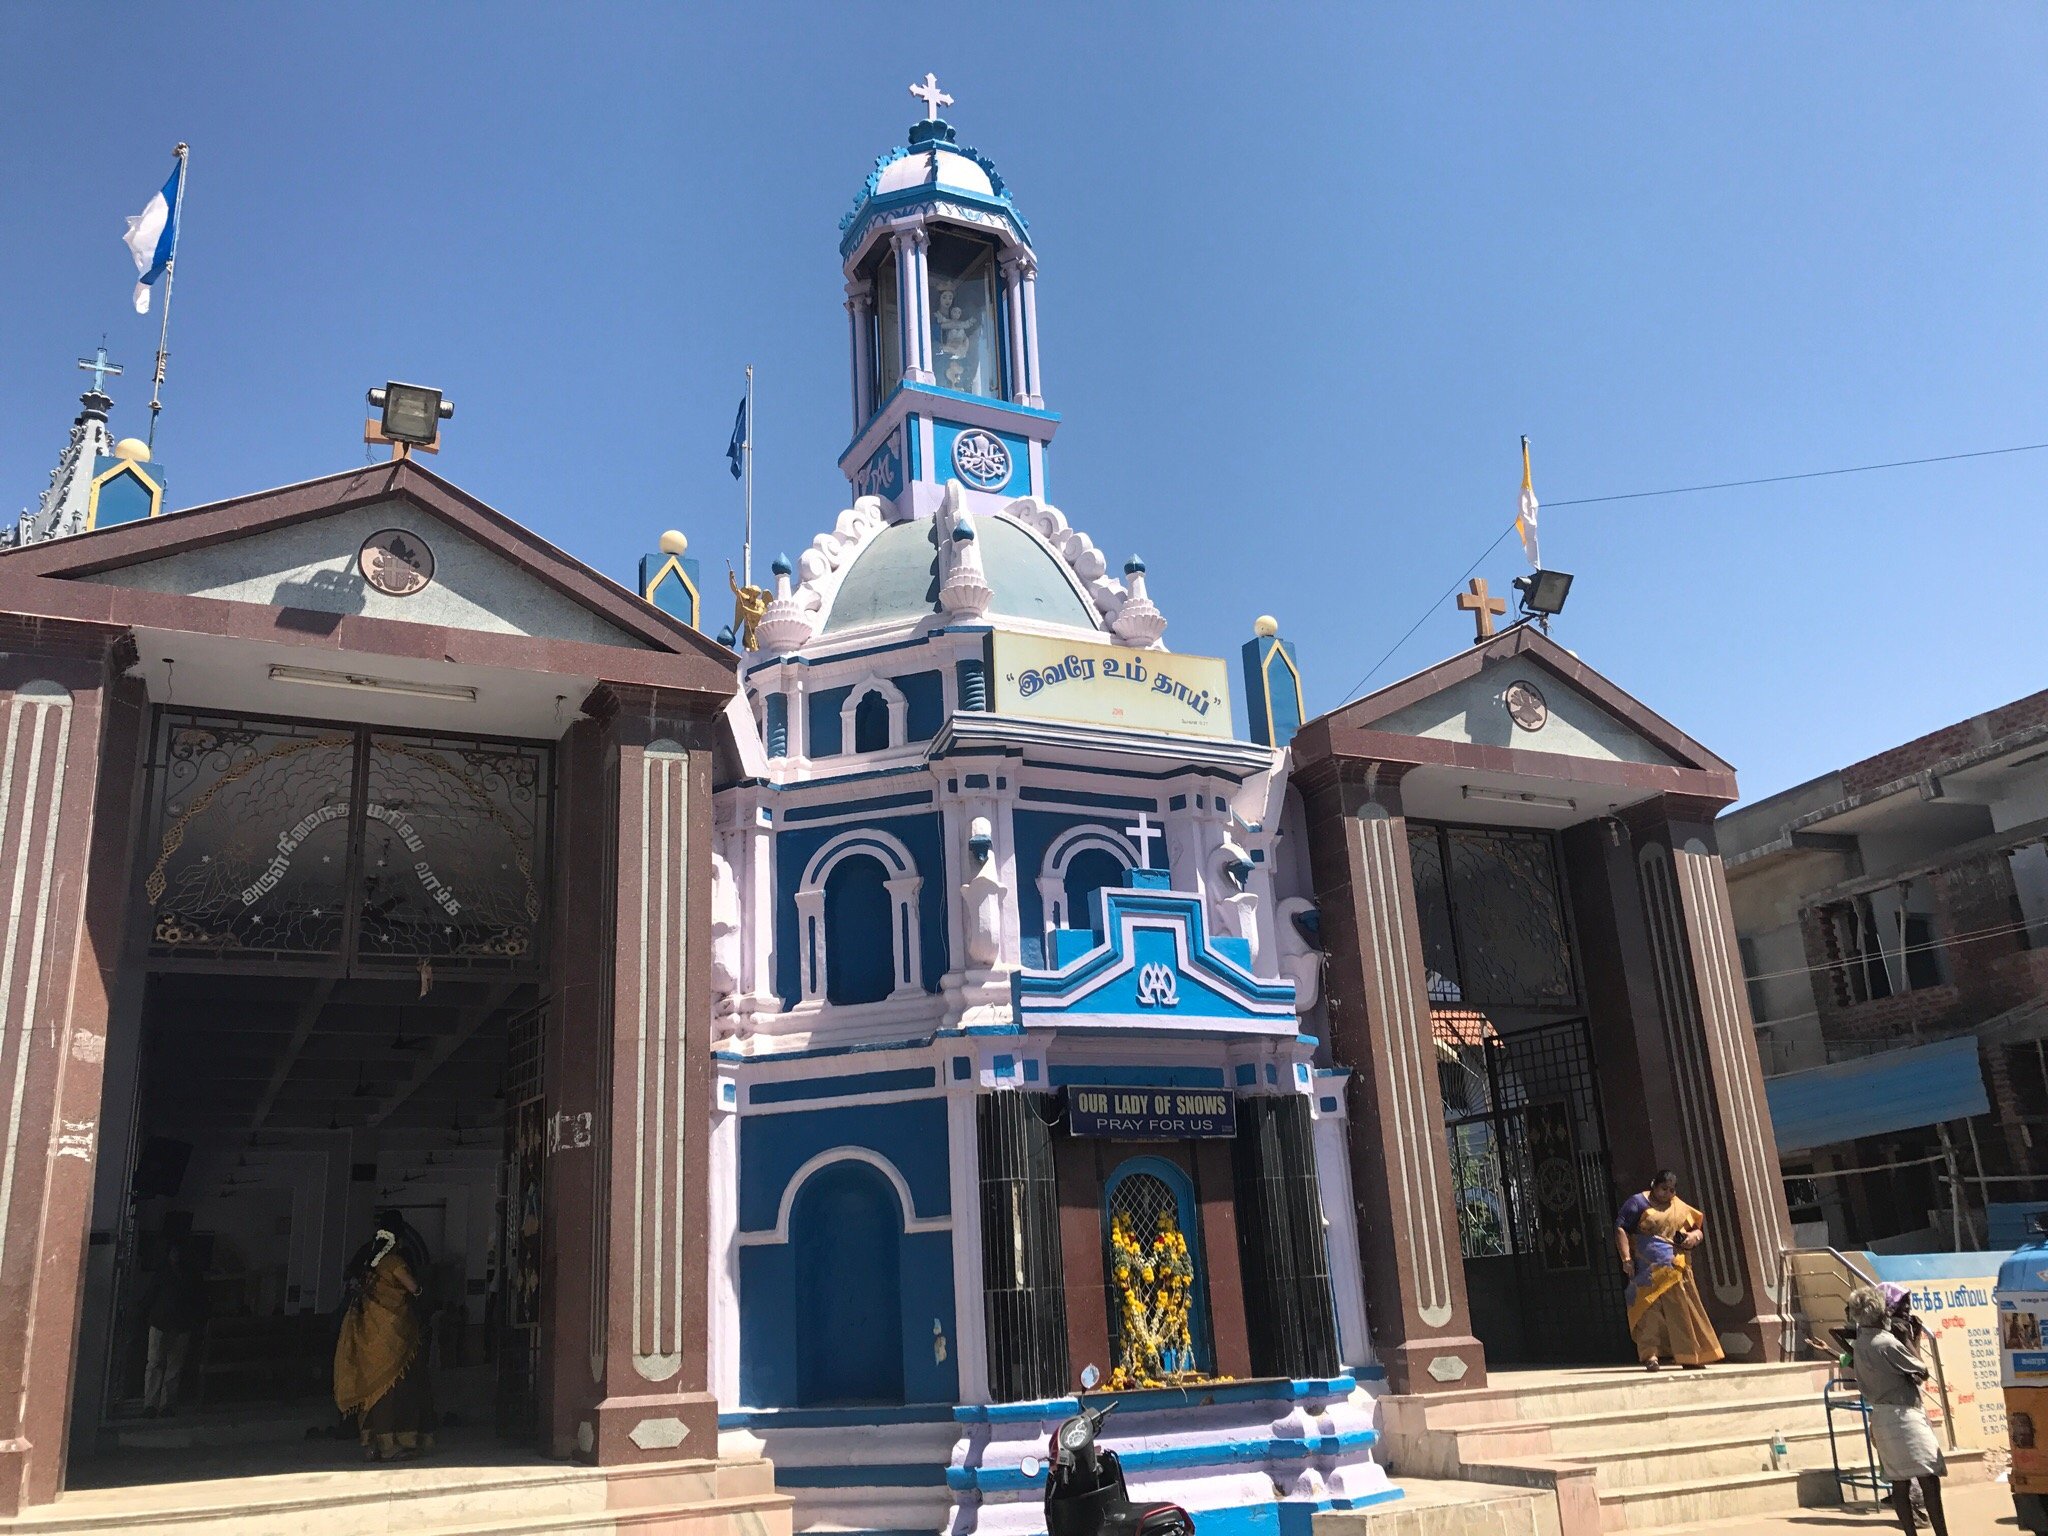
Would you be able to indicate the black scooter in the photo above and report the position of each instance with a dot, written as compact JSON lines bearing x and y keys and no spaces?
{"x":1085,"y":1493}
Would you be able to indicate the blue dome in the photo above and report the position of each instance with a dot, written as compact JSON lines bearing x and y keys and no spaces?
{"x":895,"y":579}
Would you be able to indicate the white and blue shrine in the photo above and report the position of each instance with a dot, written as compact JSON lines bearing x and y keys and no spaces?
{"x":1021,"y":1084}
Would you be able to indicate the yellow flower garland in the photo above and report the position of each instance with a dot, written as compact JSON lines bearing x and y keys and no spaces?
{"x":1155,"y":1295}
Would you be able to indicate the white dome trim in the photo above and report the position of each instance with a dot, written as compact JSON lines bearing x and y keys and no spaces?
{"x":822,"y":568}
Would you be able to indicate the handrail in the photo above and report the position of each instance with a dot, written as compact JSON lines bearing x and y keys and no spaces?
{"x":1788,"y":1279}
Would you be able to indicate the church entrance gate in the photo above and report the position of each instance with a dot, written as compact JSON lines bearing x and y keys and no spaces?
{"x":1529,"y":1155}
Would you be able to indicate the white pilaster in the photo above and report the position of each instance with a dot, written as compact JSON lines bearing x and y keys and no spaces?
{"x":859,"y":303}
{"x":1035,"y":388}
{"x":1340,"y":1221}
{"x":723,"y":1249}
{"x":970,"y":1322}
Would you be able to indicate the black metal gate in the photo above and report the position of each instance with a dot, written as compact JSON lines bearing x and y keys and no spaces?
{"x":1535,"y":1195}
{"x":516,"y":1294}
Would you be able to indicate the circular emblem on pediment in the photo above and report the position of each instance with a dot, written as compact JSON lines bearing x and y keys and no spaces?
{"x":396,"y":562}
{"x":1526,"y":706}
{"x":982,"y":459}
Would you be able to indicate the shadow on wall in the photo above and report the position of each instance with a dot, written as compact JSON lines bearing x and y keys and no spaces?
{"x":323,"y":592}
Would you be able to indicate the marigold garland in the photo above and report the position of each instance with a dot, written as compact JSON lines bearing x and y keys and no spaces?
{"x":1154,"y":1284}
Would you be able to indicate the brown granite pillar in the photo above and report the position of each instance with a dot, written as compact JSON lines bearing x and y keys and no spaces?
{"x":1699,"y":1038}
{"x":56,"y":961}
{"x":1380,"y":1028}
{"x":628,"y":1192}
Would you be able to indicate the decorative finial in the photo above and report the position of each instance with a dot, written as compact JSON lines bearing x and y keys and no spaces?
{"x":1482,"y":608}
{"x":781,"y":565}
{"x":673,"y":542}
{"x":1265,"y":626}
{"x":932,"y":97}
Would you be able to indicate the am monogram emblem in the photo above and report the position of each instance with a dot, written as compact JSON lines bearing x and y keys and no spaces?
{"x":1156,"y":987}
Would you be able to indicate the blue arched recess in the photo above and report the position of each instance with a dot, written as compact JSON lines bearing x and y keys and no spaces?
{"x":860,"y":965}
{"x":871,"y":723}
{"x":844,"y":1232}
{"x":1088,"y":872}
{"x":1187,"y":1215}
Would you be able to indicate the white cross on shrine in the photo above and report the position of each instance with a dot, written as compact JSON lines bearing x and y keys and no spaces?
{"x":1142,"y":834}
{"x":932,"y":97}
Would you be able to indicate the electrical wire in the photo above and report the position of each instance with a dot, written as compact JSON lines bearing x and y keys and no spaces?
{"x":1967,"y":936}
{"x":1810,"y":474}
{"x":1681,"y":490}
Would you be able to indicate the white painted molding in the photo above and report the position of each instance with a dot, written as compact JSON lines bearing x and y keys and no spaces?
{"x":912,"y":1222}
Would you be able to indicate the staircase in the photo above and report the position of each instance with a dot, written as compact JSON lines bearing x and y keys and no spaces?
{"x":422,"y":1499}
{"x":1629,"y":1450}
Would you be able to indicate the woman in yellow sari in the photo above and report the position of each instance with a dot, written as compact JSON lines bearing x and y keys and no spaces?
{"x":1656,"y":1233}
{"x":380,"y":1368}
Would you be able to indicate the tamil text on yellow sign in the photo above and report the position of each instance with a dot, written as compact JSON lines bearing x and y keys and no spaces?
{"x":1050,"y":679}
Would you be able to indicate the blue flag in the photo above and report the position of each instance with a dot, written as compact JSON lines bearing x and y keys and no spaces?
{"x":738,"y":446}
{"x":153,"y":235}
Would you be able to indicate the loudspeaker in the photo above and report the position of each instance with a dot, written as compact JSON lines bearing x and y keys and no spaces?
{"x":161,"y":1168}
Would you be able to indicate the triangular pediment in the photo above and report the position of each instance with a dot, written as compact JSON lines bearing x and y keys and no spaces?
{"x":302,"y":548}
{"x":1521,"y":690}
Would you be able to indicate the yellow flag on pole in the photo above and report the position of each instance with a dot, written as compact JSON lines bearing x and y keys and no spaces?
{"x":1525,"y":515}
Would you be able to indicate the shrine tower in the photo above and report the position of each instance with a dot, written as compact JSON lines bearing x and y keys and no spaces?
{"x":941,"y":292}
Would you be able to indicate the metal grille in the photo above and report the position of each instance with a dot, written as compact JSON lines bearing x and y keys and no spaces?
{"x":1141,"y":1199}
{"x":1490,"y":905}
{"x":273,"y":841}
{"x":521,"y":1210}
{"x":1536,"y":1199}
{"x":251,"y":854}
{"x":1512,"y":945}
{"x":1157,"y":1343}
{"x":451,"y":849}
{"x":1023,"y":1277}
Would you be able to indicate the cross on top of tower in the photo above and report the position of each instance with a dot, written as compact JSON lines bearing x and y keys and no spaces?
{"x":98,"y":366}
{"x":932,"y":97}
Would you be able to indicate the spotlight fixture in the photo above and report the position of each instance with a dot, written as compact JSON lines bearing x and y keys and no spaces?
{"x":413,"y":413}
{"x":1543,"y":592}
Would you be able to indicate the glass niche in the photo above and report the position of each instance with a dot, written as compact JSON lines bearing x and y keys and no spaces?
{"x":888,"y":352}
{"x":965,"y":314}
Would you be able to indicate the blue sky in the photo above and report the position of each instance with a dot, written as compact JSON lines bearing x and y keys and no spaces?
{"x":1307,"y":273}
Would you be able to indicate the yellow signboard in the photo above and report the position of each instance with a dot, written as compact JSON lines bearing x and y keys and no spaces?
{"x":1048,"y":679}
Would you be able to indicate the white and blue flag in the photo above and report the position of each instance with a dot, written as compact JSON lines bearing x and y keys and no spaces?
{"x":153,"y":235}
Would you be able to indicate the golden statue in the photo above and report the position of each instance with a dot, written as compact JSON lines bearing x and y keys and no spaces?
{"x":748,"y":604}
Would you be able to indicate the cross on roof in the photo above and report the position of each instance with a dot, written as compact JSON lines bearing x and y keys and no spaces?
{"x":1482,"y":608}
{"x":932,"y":97}
{"x":98,"y":366}
{"x":1142,"y":834}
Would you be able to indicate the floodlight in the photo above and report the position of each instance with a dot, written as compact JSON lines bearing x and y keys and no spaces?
{"x":1543,"y":592}
{"x":412,"y":412}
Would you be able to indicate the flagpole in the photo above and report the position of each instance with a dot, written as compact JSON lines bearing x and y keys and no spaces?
{"x":163,"y":340}
{"x":747,"y":451}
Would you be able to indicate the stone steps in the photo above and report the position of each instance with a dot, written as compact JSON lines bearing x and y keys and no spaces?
{"x":675,"y":1500}
{"x":1437,"y":1508}
{"x":1637,"y":1451}
{"x":1621,"y":1391}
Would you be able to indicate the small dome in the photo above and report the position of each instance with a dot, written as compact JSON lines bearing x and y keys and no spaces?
{"x":940,"y":167}
{"x":932,"y":161}
{"x":134,"y":449}
{"x":895,"y":579}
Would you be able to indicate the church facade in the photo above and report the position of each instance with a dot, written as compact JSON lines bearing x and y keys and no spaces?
{"x":1018,"y":1095}
{"x":845,"y":1058}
